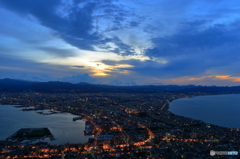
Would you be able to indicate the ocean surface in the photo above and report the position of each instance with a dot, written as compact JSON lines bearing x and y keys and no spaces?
{"x":61,"y":125}
{"x":222,"y":110}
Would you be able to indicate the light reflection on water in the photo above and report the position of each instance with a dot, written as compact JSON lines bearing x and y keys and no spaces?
{"x":61,"y":125}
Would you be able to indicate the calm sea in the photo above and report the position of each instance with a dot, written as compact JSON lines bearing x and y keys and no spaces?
{"x":61,"y":125}
{"x":223,"y":110}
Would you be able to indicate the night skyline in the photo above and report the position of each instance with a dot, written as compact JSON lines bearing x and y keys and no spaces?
{"x":121,"y":42}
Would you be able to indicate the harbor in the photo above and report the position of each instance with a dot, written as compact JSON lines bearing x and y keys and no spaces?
{"x":61,"y":125}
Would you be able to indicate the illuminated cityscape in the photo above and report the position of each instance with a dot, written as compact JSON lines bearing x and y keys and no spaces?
{"x":122,"y":125}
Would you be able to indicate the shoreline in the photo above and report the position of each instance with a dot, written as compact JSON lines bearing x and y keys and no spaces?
{"x":167,"y":108}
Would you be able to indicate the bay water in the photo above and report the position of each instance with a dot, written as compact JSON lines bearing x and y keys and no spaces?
{"x":222,"y":110}
{"x":61,"y":125}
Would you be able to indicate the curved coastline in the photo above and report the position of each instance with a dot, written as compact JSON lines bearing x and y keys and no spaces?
{"x":167,"y":107}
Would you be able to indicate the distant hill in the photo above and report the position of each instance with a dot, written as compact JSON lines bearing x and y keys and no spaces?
{"x":13,"y":85}
{"x":15,"y":82}
{"x":213,"y":89}
{"x":52,"y":86}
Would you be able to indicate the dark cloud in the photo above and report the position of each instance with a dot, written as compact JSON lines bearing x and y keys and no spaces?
{"x":76,"y":28}
{"x":185,"y":65}
{"x":123,"y":48}
{"x":191,"y":40}
{"x":193,"y":50}
{"x":44,"y":7}
{"x":134,"y":23}
{"x":109,"y":62}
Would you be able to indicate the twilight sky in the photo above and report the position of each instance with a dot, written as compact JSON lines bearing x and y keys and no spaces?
{"x":121,"y":42}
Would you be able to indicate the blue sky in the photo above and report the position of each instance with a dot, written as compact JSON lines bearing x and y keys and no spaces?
{"x":121,"y":42}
